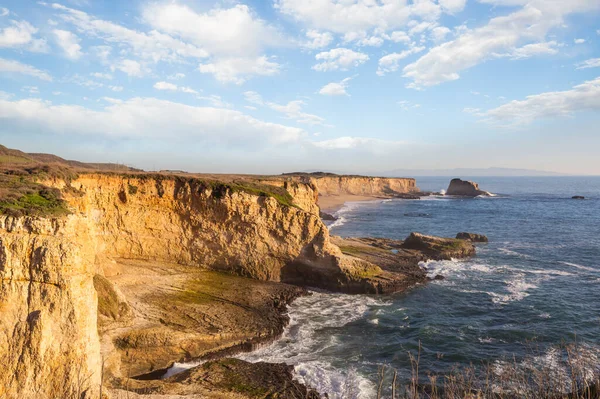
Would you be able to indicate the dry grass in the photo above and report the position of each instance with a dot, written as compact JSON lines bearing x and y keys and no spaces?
{"x":574,"y":373}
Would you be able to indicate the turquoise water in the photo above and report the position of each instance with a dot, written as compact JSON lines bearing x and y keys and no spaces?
{"x":538,"y":280}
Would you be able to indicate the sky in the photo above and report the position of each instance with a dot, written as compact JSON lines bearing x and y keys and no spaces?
{"x":272,"y":86}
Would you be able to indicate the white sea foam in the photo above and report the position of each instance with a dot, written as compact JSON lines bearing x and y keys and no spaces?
{"x":302,"y":346}
{"x":513,"y":253}
{"x":177,"y":368}
{"x":580,"y":267}
{"x":517,"y":288}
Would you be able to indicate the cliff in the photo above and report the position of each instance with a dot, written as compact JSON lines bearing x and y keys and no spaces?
{"x":329,"y":184}
{"x":47,"y":298}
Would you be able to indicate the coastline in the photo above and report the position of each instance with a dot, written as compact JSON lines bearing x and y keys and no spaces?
{"x":333,"y":203}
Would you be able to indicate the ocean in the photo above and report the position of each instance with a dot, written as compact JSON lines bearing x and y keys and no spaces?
{"x":535,"y":284}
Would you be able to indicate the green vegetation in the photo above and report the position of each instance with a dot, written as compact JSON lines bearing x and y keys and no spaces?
{"x":108,"y":302}
{"x":131,"y":189}
{"x":19,"y":196}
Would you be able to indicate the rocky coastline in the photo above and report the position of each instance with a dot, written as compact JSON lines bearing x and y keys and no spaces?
{"x":139,"y":271}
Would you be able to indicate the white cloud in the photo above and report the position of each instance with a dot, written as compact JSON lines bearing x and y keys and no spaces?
{"x":11,"y":66}
{"x":317,"y":40}
{"x":336,"y":88}
{"x":152,"y":46}
{"x":116,"y":88}
{"x":583,"y":97}
{"x":21,"y":35}
{"x":84,"y":82}
{"x":439,"y":33}
{"x":176,"y":76}
{"x":100,"y":75}
{"x":31,"y":89}
{"x":531,"y":50}
{"x":339,"y":59}
{"x":238,"y":70}
{"x":407,"y":105}
{"x":253,"y":97}
{"x":234,"y":31}
{"x":69,"y":42}
{"x":173,"y":87}
{"x":4,"y":12}
{"x":579,"y":41}
{"x":352,"y":16}
{"x":391,"y":62}
{"x":188,"y":90}
{"x":453,"y":6}
{"x":129,"y":67}
{"x":362,"y":143}
{"x":399,"y":37}
{"x":591,"y":63}
{"x":165,"y":86}
{"x":292,"y":110}
{"x":147,"y":118}
{"x":215,"y":101}
{"x":530,"y":24}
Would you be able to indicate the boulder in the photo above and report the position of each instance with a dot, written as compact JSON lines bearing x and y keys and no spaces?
{"x":327,"y":216}
{"x":465,"y":188}
{"x":578,"y":197}
{"x":472,"y":237}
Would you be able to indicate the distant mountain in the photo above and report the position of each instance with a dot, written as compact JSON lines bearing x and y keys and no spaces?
{"x":461,"y":172}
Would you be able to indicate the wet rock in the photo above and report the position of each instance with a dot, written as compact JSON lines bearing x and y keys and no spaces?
{"x":327,"y":216}
{"x":439,"y":277}
{"x":465,"y":188}
{"x":578,"y":197}
{"x":472,"y":237}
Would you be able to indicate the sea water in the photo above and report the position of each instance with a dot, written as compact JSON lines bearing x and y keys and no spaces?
{"x":536,"y":281}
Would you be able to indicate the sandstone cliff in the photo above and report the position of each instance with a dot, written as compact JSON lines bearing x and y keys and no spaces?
{"x":49,"y":345}
{"x":360,"y":185}
{"x":47,"y":298}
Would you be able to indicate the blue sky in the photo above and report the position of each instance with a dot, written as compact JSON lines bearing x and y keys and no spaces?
{"x":274,"y":86}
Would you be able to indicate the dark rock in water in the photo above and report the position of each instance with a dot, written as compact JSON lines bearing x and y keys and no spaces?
{"x":327,"y":216}
{"x":407,"y":196}
{"x":438,"y":247}
{"x":439,"y":277}
{"x":417,"y":215}
{"x":465,"y":188}
{"x":472,"y":237}
{"x":579,"y":197}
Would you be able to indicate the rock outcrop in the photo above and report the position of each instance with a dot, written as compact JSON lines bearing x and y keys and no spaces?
{"x":465,"y":188}
{"x":439,"y":248}
{"x":578,"y":197}
{"x":472,"y":237}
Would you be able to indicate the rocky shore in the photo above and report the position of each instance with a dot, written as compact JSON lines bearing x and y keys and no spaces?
{"x":138,"y":271}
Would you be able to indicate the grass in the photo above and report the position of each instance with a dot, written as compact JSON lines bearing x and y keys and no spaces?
{"x":575,"y":374}
{"x":108,"y":302}
{"x":20,"y":196}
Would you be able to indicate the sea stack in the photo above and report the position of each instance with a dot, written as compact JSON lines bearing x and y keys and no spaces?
{"x":465,"y":188}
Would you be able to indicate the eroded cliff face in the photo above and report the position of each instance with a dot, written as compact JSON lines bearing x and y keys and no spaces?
{"x":49,"y":345}
{"x":48,"y":302}
{"x":368,"y":186}
{"x":188,"y":222}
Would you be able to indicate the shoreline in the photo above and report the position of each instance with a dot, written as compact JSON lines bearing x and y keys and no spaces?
{"x":333,"y":203}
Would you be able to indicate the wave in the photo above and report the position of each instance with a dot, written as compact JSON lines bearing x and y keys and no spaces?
{"x":580,"y":267}
{"x":177,"y":368}
{"x":304,"y":346}
{"x":517,"y":290}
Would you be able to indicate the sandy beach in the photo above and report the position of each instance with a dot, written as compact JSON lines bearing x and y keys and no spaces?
{"x":332,"y":203}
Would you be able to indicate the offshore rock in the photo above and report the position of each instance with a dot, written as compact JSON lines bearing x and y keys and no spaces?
{"x":465,"y":188}
{"x":472,"y":237}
